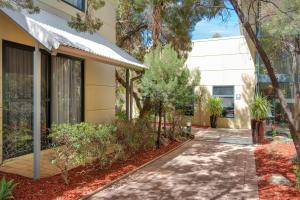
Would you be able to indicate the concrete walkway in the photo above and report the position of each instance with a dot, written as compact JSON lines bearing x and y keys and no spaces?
{"x":216,"y":165}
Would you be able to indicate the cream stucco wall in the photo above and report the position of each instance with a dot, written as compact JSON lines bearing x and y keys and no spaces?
{"x":225,"y":62}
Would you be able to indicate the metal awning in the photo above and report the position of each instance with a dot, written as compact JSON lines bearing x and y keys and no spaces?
{"x":56,"y":36}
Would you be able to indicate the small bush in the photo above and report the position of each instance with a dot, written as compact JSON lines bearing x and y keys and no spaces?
{"x":297,"y":173}
{"x":82,"y":143}
{"x":134,"y":136}
{"x":6,"y":189}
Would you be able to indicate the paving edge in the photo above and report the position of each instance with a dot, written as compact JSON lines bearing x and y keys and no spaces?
{"x":85,"y":197}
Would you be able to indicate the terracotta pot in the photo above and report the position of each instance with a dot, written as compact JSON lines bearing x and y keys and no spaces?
{"x":261,"y":131}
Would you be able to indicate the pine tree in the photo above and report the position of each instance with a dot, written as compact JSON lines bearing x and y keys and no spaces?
{"x":167,"y":82}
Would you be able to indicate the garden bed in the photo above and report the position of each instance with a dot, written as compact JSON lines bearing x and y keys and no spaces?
{"x":83,"y":179}
{"x":274,"y":158}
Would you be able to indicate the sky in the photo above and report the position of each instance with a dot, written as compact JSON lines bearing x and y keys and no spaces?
{"x":205,"y":29}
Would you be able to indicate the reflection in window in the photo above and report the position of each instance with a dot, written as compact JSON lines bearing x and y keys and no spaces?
{"x":227,"y":94}
{"x":76,"y":3}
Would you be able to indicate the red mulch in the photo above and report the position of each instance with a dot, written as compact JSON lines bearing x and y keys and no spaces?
{"x":274,"y":158}
{"x":83,"y":179}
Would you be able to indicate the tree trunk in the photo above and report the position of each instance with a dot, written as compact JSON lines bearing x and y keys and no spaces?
{"x":213,"y":121}
{"x":268,"y":65}
{"x":165,"y":123}
{"x":159,"y":125}
{"x":156,"y":23}
{"x":254,"y":130}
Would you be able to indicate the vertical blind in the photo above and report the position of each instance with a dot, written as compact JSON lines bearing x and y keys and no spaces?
{"x":66,"y":91}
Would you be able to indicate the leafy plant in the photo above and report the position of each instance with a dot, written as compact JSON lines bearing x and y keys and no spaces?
{"x":134,"y":136}
{"x":297,"y":173}
{"x":6,"y":189}
{"x":81,"y":144}
{"x":215,"y":109}
{"x":260,"y":107}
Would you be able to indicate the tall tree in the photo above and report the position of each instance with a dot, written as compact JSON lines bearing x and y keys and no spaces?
{"x":142,"y":24}
{"x":167,"y":82}
{"x":242,"y":14}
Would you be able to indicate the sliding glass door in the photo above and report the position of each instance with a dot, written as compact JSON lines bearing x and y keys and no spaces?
{"x":67,"y":90}
{"x":17,"y":99}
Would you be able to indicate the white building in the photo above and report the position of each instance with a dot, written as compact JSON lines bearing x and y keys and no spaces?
{"x":228,"y":71}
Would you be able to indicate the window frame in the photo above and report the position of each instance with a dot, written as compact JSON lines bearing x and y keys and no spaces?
{"x":74,"y":6}
{"x":226,"y":96}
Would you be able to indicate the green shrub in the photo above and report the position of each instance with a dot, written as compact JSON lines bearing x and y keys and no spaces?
{"x":297,"y":173}
{"x":215,"y":107}
{"x":135,"y":135}
{"x":6,"y":189}
{"x":260,"y":107}
{"x":82,"y":143}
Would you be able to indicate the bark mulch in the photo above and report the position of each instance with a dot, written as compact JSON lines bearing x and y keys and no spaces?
{"x":82,"y":179}
{"x":274,"y":158}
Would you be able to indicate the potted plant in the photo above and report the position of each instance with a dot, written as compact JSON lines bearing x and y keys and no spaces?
{"x":215,"y":109}
{"x":260,"y":109}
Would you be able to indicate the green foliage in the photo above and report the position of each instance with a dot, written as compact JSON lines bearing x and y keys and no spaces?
{"x":80,"y":144}
{"x":174,"y":20}
{"x":134,"y":136}
{"x":260,"y":107}
{"x":297,"y":173}
{"x":6,"y":189}
{"x":87,"y":22}
{"x":17,"y":4}
{"x":215,"y":107}
{"x":168,"y":82}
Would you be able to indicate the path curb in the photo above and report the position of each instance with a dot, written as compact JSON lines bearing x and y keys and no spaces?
{"x":85,"y":197}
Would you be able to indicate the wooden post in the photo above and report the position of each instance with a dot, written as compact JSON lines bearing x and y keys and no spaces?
{"x":127,"y":94}
{"x":36,"y":112}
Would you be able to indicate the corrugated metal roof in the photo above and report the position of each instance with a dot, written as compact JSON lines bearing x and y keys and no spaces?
{"x":53,"y":32}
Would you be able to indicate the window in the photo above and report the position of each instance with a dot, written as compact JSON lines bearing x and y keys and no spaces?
{"x":79,"y":4}
{"x":17,"y":99}
{"x":66,"y":90}
{"x":227,"y":94}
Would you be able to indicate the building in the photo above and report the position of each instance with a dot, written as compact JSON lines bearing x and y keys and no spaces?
{"x":227,"y":71}
{"x":53,"y":74}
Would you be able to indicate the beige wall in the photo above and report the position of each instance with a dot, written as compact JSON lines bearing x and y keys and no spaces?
{"x":99,"y":92}
{"x":224,"y":62}
{"x":107,"y":14}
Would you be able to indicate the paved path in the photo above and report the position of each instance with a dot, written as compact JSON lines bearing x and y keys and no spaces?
{"x":213,"y":166}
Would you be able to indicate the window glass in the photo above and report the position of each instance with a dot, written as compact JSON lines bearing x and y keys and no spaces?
{"x":227,"y":94}
{"x":17,"y":100}
{"x":76,"y":3}
{"x":66,"y":90}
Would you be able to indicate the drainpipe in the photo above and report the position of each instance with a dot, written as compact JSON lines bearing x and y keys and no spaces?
{"x":131,"y":94}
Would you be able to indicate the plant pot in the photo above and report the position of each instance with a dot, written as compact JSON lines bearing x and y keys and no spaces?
{"x":213,"y":121}
{"x":254,"y":130}
{"x":261,"y":127}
